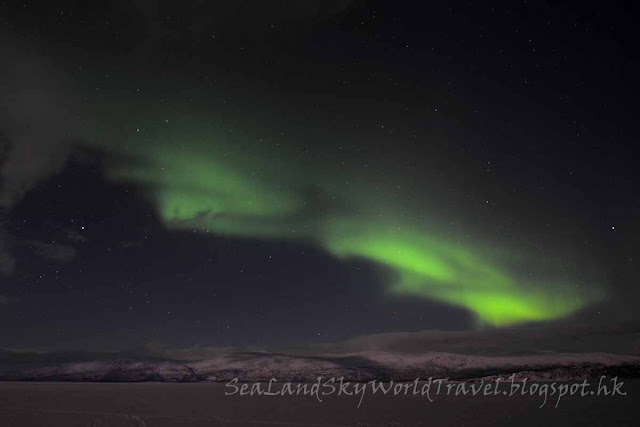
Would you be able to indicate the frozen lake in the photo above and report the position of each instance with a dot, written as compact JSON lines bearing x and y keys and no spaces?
{"x":24,"y":404}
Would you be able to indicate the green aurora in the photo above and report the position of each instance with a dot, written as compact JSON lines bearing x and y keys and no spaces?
{"x":202,"y":181}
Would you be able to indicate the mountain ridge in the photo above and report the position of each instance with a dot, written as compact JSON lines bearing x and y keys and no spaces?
{"x":262,"y":366}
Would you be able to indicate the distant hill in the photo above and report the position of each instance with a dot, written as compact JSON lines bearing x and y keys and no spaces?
{"x":262,"y":366}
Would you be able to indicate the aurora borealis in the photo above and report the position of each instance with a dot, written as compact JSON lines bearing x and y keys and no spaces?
{"x":227,"y":186}
{"x":239,"y":174}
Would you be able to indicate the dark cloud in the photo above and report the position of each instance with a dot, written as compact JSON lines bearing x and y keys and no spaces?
{"x":131,"y":244}
{"x":34,"y":119}
{"x":54,"y":251}
{"x":541,"y":338}
{"x":7,"y":262}
{"x":35,"y":126}
{"x":75,"y":237}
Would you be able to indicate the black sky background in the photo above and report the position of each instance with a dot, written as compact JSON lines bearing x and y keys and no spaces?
{"x":534,"y":105}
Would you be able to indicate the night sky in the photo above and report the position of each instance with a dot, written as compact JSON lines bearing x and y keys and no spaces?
{"x":255,"y":174}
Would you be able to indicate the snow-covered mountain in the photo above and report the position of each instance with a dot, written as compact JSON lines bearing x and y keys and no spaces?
{"x":361,"y":366}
